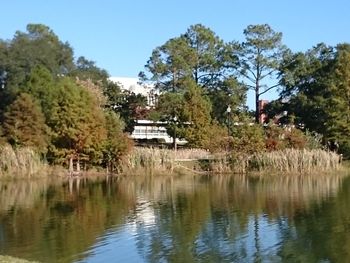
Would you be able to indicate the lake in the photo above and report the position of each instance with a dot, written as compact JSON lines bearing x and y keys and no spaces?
{"x":177,"y":219}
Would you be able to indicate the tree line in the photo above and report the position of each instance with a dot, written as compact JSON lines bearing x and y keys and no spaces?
{"x":200,"y":76}
{"x":57,"y":104}
{"x":69,"y":110}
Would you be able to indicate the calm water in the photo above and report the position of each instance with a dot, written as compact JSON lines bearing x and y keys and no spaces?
{"x":179,"y":219}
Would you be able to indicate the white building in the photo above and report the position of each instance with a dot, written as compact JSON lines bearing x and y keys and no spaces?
{"x":146,"y":129}
{"x":133,"y":85}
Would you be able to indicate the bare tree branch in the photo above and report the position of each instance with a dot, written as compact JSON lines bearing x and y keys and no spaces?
{"x":248,"y":77}
{"x":268,"y":73}
{"x":269,"y":88}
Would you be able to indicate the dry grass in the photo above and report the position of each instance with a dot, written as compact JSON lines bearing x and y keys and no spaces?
{"x":8,"y":259}
{"x":295,"y":161}
{"x":192,"y":154}
{"x":21,"y":162}
{"x":159,"y":160}
{"x":150,"y":160}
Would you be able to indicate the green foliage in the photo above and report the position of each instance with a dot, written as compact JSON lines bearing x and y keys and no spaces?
{"x":77,"y":123}
{"x":202,"y":56}
{"x":171,"y":105}
{"x":197,"y":72}
{"x":317,"y":85}
{"x":217,"y":140}
{"x":248,"y":139}
{"x":128,"y":105}
{"x":169,"y":63}
{"x":41,"y":86}
{"x":87,"y":69}
{"x":24,"y":124}
{"x":306,"y":78}
{"x":196,"y":112}
{"x":229,"y":93}
{"x":38,"y":46}
{"x":295,"y":138}
{"x":55,"y":105}
{"x":133,"y":107}
{"x":313,"y":140}
{"x":212,"y":59}
{"x":112,"y":91}
{"x":116,"y":144}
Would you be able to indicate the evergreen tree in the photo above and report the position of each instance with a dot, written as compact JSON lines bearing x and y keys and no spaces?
{"x":37,"y":47}
{"x":196,"y":112}
{"x":198,"y":54}
{"x":78,"y":124}
{"x":41,"y":86}
{"x":24,"y":124}
{"x":338,"y":112}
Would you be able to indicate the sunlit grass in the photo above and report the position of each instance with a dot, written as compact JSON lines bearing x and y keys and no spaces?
{"x":8,"y":259}
{"x":155,"y":159}
{"x":287,"y":161}
{"x":295,"y":161}
{"x":20,"y":162}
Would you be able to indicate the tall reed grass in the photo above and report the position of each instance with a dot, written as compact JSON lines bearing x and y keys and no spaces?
{"x":159,"y":160}
{"x":288,"y":161}
{"x":295,"y":161}
{"x":20,"y":162}
{"x":148,"y":159}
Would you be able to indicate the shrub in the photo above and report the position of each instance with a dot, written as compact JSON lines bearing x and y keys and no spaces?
{"x":248,"y":139}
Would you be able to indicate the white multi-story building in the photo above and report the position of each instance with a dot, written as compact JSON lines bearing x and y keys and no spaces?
{"x":146,"y":129}
{"x":133,"y":85}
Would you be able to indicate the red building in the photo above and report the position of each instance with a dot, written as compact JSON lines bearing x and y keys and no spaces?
{"x":262,"y":116}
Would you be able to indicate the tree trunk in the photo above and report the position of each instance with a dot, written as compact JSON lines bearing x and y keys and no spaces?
{"x":174,"y":143}
{"x":78,"y":165}
{"x":71,"y":168}
{"x":257,"y":256}
{"x":174,"y":140}
{"x":257,"y":106}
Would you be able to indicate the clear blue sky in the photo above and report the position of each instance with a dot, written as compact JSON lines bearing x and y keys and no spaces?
{"x":120,"y":35}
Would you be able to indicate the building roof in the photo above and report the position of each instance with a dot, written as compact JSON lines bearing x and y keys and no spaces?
{"x":133,"y":85}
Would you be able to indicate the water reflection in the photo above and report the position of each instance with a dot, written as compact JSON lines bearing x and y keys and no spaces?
{"x":225,"y":219}
{"x":176,"y":219}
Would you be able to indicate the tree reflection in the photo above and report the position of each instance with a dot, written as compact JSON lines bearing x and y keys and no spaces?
{"x":59,"y":222}
{"x":217,"y":219}
{"x":322,"y":234}
{"x":178,"y":219}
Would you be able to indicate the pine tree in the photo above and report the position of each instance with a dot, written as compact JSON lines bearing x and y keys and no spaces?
{"x":196,"y":112}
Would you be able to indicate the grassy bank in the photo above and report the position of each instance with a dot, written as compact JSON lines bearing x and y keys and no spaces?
{"x":153,"y":160}
{"x":26,"y":163}
{"x":296,"y":161}
{"x":8,"y":259}
{"x":20,"y":162}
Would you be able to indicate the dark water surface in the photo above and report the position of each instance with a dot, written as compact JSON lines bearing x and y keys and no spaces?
{"x":177,"y":219}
